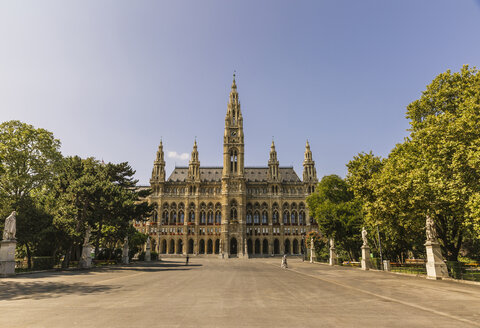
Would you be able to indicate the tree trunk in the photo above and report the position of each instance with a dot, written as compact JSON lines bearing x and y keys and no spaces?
{"x":66,"y":261}
{"x":97,"y":240}
{"x":29,"y":256}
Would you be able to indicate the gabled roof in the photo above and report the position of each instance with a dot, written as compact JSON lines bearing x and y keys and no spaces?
{"x":252,"y":174}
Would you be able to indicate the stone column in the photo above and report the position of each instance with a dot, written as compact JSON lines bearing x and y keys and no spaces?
{"x":8,"y":245}
{"x":436,"y":267}
{"x":386,"y":265}
{"x":7,"y":257}
{"x":311,"y":250}
{"x":333,"y":253}
{"x":366,"y":263}
{"x":86,"y":259}
{"x":125,"y":251}
{"x":148,"y":256}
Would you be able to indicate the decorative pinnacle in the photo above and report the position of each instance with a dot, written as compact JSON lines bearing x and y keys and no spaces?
{"x":234,"y":86}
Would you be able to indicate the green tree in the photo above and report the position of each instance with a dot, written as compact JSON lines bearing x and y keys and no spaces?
{"x":434,"y":172}
{"x":29,"y":158}
{"x":338,"y":214}
{"x":87,"y":193}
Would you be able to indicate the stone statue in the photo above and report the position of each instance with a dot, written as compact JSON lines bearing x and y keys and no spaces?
{"x":311,"y":243}
{"x":149,"y":243}
{"x":332,"y":243}
{"x":10,"y":227}
{"x":364,"y":237}
{"x":430,"y":229}
{"x":86,"y":241}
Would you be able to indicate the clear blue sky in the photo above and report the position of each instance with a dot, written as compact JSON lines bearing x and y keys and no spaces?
{"x":109,"y":78}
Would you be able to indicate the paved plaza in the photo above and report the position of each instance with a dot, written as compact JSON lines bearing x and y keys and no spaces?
{"x":234,"y":293}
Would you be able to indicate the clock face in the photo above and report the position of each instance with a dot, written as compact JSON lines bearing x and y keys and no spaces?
{"x":234,"y":133}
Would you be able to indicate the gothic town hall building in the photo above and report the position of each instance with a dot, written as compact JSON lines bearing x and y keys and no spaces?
{"x":232,"y":210}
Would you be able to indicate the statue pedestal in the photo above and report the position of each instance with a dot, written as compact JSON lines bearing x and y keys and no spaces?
{"x":148,"y":255}
{"x":436,"y":268}
{"x":311,"y":255}
{"x":333,"y":256}
{"x":366,"y":263}
{"x":125,"y":258}
{"x":386,"y":265}
{"x":7,"y":257}
{"x":86,"y":259}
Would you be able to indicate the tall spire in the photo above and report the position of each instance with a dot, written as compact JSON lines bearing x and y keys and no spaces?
{"x":194,"y":165}
{"x":273,"y":163}
{"x":233,"y":138}
{"x":158,"y":171}
{"x":309,"y":172}
{"x":234,"y":85}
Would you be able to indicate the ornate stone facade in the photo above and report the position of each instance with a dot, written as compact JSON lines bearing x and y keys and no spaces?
{"x":233,"y":209}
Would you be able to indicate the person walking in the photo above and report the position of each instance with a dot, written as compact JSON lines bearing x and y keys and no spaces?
{"x":284,"y":262}
{"x":186,"y":260}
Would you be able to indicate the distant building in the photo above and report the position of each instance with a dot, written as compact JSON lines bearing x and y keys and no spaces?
{"x":230,"y":209}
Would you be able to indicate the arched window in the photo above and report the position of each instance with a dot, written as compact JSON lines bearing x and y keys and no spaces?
{"x":233,"y":214}
{"x":202,"y":217}
{"x":249,"y":217}
{"x":165,"y":217}
{"x":218,"y":217}
{"x":256,"y":217}
{"x":264,"y":217}
{"x":275,"y":217}
{"x":233,"y":210}
{"x":210,"y":217}
{"x":191,"y":216}
{"x":301,"y":217}
{"x":285,"y":217}
{"x":233,"y":161}
{"x":173,"y":217}
{"x":294,"y":217}
{"x":181,"y":217}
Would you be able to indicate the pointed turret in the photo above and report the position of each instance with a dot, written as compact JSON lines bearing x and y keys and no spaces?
{"x":194,"y":165}
{"x":309,"y":172}
{"x":158,"y":172}
{"x":273,"y":164}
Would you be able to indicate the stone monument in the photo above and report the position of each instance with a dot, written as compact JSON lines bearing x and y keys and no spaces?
{"x":86,"y":259}
{"x":436,"y":267}
{"x":333,"y":254}
{"x":311,"y":250}
{"x":148,"y":254}
{"x":125,"y":251}
{"x":366,"y":262}
{"x":7,"y":246}
{"x":220,"y":251}
{"x":246,"y":255}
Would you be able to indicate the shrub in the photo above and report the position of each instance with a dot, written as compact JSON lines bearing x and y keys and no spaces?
{"x":43,"y":262}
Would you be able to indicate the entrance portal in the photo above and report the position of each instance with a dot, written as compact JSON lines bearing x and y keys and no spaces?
{"x":233,"y":246}
{"x":276,"y":247}
{"x":190,"y":246}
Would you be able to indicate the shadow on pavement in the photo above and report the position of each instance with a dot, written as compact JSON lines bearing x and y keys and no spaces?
{"x":138,"y":266}
{"x":18,"y":290}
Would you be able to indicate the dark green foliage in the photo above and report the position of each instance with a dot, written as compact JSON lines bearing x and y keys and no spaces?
{"x":338,"y":214}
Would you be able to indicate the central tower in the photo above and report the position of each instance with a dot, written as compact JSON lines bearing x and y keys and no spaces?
{"x":233,"y":176}
{"x":233,"y":144}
